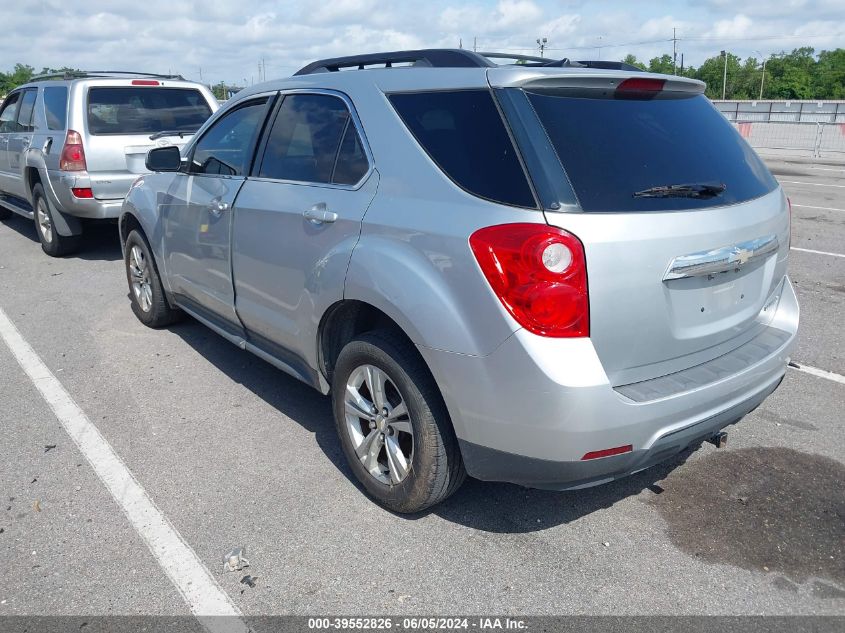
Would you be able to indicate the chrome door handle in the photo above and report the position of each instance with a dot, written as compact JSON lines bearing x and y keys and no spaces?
{"x":721,"y":260}
{"x":319,"y":214}
{"x":217,"y":207}
{"x":45,"y":149}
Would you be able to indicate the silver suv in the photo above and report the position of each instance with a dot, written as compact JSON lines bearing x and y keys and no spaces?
{"x":546,"y":273}
{"x":71,"y":144}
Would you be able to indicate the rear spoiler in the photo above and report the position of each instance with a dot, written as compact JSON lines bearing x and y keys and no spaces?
{"x":605,"y":79}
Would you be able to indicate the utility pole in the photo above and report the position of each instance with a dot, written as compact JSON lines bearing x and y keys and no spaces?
{"x":763,"y":76}
{"x":474,"y":44}
{"x":460,"y":42}
{"x":725,"y":76}
{"x":264,"y":68}
{"x":541,"y":43}
{"x":674,"y":52}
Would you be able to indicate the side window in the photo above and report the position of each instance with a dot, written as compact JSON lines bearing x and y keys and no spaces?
{"x":226,"y":148}
{"x":464,"y":134}
{"x":55,"y":107}
{"x":9,"y":113}
{"x":312,"y":138}
{"x":25,"y":123}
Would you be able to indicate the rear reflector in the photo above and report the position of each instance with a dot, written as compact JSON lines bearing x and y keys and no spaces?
{"x":607,"y":452}
{"x":145,"y":82}
{"x":641,"y":84}
{"x":82,"y":192}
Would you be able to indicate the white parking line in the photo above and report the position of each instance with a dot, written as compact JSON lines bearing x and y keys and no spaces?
{"x":809,"y":250}
{"x":181,"y":564}
{"x":821,"y":373}
{"x":807,"y":206}
{"x":812,"y":184}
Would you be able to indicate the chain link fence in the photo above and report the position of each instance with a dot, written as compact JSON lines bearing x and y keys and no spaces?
{"x":815,"y":140}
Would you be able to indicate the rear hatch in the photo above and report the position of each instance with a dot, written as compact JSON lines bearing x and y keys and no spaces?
{"x":686,"y":233}
{"x":124,"y":122}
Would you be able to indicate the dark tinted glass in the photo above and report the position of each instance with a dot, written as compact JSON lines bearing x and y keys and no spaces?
{"x":145,"y":110}
{"x":226,"y":148}
{"x":25,"y":111}
{"x":464,"y":134}
{"x":351,"y":160}
{"x":305,"y":138}
{"x":9,"y":113}
{"x":612,"y":148}
{"x":55,"y":107}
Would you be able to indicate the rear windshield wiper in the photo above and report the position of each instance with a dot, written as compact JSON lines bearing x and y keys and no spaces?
{"x":180,"y":133}
{"x":700,"y":190}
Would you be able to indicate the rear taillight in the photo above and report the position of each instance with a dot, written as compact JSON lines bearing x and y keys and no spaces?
{"x":539,"y":273}
{"x":145,"y":82}
{"x":82,"y":192}
{"x":73,"y":154}
{"x":608,"y":452}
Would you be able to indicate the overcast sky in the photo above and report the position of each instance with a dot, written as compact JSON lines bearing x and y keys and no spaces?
{"x":226,"y":40}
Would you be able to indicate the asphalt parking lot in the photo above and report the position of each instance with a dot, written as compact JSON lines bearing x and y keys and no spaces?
{"x":233,"y":452}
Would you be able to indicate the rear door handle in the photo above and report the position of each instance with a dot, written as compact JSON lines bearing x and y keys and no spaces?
{"x":319,"y":214}
{"x":47,"y":145}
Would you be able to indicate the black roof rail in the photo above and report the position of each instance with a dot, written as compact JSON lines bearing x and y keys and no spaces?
{"x":83,"y":74}
{"x":432,"y":57}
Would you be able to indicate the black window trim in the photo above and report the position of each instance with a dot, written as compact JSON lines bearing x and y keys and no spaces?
{"x":537,"y":206}
{"x":271,"y":98}
{"x":365,"y":146}
{"x":99,"y":87}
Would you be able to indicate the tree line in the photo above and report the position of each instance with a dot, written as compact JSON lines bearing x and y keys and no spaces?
{"x":801,"y":74}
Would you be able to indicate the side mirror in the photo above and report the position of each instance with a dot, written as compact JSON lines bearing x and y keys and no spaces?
{"x":164,"y":159}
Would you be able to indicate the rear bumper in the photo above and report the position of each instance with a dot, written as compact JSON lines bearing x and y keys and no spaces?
{"x":529,"y":412}
{"x":61,"y":184}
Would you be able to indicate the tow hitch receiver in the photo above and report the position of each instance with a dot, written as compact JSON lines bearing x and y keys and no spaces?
{"x":719,"y":440}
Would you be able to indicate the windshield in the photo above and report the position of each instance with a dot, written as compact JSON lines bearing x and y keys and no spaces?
{"x":145,"y":110}
{"x":649,"y":154}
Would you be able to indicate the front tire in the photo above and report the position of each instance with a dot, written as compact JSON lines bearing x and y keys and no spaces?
{"x":145,"y":290}
{"x":393,"y":424}
{"x":52,"y":243}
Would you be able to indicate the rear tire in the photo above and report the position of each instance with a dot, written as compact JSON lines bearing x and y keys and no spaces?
{"x":146,"y":293}
{"x":52,"y":243}
{"x":406,"y":462}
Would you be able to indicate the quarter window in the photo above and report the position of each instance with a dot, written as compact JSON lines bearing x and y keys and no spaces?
{"x":55,"y":107}
{"x":226,"y":148}
{"x":464,"y":134}
{"x":314,"y":140}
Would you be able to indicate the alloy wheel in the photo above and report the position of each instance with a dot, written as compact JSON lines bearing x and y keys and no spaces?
{"x":378,"y":424}
{"x":139,"y":271}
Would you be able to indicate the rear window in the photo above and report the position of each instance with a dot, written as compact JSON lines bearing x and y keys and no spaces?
{"x":613,"y":148}
{"x":145,"y":110}
{"x":55,"y":107}
{"x":464,"y":134}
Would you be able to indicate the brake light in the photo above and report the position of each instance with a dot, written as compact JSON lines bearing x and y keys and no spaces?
{"x":539,"y":273}
{"x":145,"y":82}
{"x":607,"y":452}
{"x":82,"y":192}
{"x":73,"y":154}
{"x":641,"y":84}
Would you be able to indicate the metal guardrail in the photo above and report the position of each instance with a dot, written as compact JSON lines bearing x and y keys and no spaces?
{"x":816,"y":140}
{"x":794,"y":111}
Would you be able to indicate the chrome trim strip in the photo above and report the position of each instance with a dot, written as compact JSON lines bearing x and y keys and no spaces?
{"x":721,"y":260}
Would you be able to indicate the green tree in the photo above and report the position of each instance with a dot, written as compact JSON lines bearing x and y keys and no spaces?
{"x":633,"y":61}
{"x":661,"y":64}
